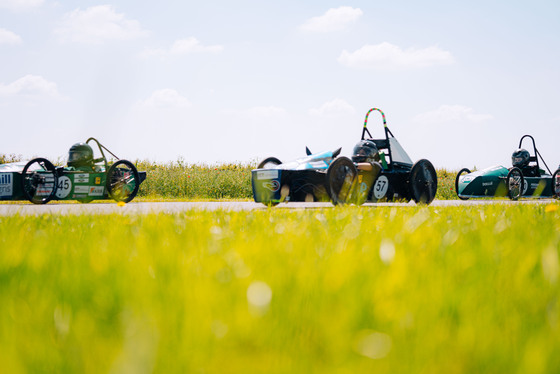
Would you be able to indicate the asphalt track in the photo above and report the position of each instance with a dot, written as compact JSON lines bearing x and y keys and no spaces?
{"x":135,"y":208}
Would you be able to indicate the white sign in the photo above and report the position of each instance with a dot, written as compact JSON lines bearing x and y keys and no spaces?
{"x":64,"y":187}
{"x":267,"y":174}
{"x":81,"y":189}
{"x":81,"y":178}
{"x":6,"y":185}
{"x":381,"y":187}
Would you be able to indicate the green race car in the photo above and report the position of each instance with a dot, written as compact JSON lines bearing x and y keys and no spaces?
{"x":525,"y":178}
{"x":85,"y":178}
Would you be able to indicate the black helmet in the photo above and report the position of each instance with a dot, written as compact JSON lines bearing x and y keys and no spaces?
{"x":520,"y":158}
{"x":80,"y":154}
{"x":365,"y":151}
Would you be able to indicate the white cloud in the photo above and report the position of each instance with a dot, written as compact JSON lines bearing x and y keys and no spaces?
{"x":451,"y":113}
{"x":333,"y":20}
{"x":30,"y":86}
{"x":20,"y":5}
{"x":386,"y":56}
{"x":334,"y":107}
{"x":166,"y":98}
{"x":96,"y":25}
{"x":183,"y":47}
{"x":8,"y":37}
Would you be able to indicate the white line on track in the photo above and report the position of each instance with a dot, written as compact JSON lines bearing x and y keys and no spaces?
{"x":178,"y":207}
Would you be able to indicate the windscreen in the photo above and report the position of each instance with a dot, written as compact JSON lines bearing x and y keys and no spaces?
{"x":397,"y":152}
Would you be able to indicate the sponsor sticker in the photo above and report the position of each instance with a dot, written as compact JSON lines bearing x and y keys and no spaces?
{"x":97,"y":180}
{"x":81,"y":178}
{"x":272,"y":185}
{"x":96,"y":190}
{"x":363,"y":187}
{"x":267,"y":174}
{"x":81,"y":189}
{"x":6,"y":185}
{"x":318,"y":165}
{"x":44,"y":189}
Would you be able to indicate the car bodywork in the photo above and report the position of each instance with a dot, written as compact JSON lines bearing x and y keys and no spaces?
{"x":303,"y":179}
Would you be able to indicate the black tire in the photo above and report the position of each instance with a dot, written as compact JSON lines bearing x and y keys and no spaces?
{"x":423,"y":182}
{"x":122,"y":181}
{"x":39,"y":180}
{"x":515,"y":183}
{"x":341,"y":176}
{"x":85,"y":201}
{"x":556,"y":184}
{"x":464,"y":170}
{"x":268,"y":162}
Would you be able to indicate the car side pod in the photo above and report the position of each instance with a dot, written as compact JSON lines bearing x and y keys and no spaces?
{"x":266,"y":182}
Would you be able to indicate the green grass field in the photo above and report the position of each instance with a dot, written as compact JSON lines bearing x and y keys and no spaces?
{"x":338,"y":290}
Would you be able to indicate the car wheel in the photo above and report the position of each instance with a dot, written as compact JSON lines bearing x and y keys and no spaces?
{"x":122,"y":181}
{"x":423,"y":182}
{"x":556,"y":184}
{"x":461,"y":172}
{"x":341,"y":175}
{"x":269,"y":163}
{"x":514,"y":183}
{"x":39,"y":180}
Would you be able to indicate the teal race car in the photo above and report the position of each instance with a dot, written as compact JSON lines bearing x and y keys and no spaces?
{"x":85,"y":178}
{"x":525,"y":178}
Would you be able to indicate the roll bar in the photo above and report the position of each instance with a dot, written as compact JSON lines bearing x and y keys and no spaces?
{"x":101,"y":148}
{"x":537,"y":153}
{"x":365,"y":129}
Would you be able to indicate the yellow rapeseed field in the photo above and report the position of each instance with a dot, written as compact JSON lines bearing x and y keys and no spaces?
{"x":415,"y":289}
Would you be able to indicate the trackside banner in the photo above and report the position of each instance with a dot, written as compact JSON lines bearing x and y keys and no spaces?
{"x":6,"y":185}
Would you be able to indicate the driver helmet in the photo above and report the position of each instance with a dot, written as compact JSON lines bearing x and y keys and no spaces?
{"x":80,"y":154}
{"x":520,"y":158}
{"x":365,"y":151}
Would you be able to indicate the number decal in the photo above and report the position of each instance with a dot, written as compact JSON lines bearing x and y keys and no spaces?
{"x":381,"y":187}
{"x":64,"y":187}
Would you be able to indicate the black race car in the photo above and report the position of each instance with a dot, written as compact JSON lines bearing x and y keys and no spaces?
{"x":386,"y":174}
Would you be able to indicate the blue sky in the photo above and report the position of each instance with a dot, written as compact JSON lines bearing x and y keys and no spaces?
{"x":221,"y":81}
